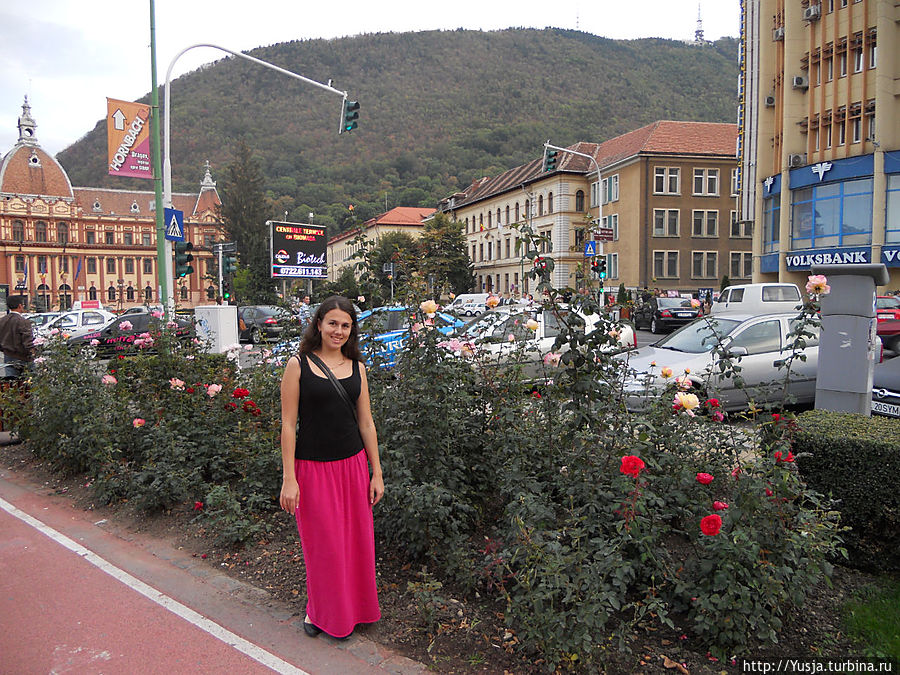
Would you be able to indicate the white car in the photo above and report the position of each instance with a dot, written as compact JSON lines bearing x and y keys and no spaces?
{"x":78,"y":322}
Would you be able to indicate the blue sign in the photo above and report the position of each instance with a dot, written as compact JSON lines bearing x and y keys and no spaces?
{"x":803,"y":260}
{"x":173,"y":220}
{"x":890,"y":255}
{"x":590,"y":247}
{"x":768,"y":263}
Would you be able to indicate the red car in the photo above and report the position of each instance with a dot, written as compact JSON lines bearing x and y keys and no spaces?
{"x":887,"y":307}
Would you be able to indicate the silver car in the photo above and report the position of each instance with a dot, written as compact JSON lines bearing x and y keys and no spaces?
{"x":758,"y":344}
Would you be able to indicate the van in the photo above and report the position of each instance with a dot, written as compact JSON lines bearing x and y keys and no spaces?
{"x":468,"y":304}
{"x":756,"y":299}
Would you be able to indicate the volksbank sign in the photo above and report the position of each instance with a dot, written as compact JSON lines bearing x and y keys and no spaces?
{"x":803,"y":260}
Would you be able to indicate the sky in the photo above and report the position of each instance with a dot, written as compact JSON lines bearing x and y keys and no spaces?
{"x":68,"y":56}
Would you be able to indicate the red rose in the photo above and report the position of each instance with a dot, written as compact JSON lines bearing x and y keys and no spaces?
{"x":711,"y":525}
{"x":776,"y":417}
{"x":704,"y":478}
{"x":632,"y":466}
{"x":768,"y":492}
{"x":248,"y":405}
{"x":713,"y":403}
{"x":240,"y":392}
{"x":189,"y":390}
{"x":718,"y":506}
{"x":536,"y":394}
{"x":198,"y":506}
{"x":256,"y":412}
{"x":231,"y":406}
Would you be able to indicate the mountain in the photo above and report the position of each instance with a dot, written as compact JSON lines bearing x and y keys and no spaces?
{"x":437,"y":110}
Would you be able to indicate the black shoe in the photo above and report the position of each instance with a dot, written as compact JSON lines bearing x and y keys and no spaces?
{"x":310,"y":629}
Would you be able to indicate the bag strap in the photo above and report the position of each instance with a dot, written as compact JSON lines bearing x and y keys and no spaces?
{"x":337,"y":385}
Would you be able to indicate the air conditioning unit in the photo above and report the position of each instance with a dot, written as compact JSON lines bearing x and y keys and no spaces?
{"x":770,"y":101}
{"x":796,"y":160}
{"x":778,"y":34}
{"x":812,"y":13}
{"x":800,"y":82}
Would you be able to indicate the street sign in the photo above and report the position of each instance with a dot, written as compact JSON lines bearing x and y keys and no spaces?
{"x":590,"y":248}
{"x":174,"y":222}
{"x":298,"y":250}
{"x":128,"y":138}
{"x":604,"y":234}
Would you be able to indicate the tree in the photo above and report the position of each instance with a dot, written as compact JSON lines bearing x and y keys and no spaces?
{"x":726,"y":282}
{"x":445,"y":262}
{"x":400,"y":249}
{"x":244,"y":213}
{"x":346,"y":284}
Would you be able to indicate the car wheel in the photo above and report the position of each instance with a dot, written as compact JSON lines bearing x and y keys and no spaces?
{"x":255,"y":336}
{"x":89,"y":351}
{"x":654,"y":326}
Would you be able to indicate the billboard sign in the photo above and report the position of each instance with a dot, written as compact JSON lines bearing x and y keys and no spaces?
{"x":298,"y":250}
{"x":128,"y":138}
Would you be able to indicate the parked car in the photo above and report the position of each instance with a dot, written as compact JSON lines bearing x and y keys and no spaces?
{"x":468,"y":304}
{"x":887,"y":307}
{"x":886,"y":388}
{"x":889,"y":332}
{"x":118,"y":337}
{"x":761,"y":342}
{"x":141,"y":309}
{"x":384,"y":330}
{"x":42,"y":318}
{"x":256,"y":322}
{"x":77,"y":322}
{"x":762,"y":298}
{"x":659,"y":314}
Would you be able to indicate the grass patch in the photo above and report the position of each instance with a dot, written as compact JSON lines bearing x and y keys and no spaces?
{"x":874,"y":618}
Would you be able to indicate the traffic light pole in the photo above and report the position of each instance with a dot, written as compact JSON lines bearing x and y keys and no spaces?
{"x":167,"y":164}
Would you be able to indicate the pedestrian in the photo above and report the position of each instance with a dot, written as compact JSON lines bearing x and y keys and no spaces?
{"x":326,"y":461}
{"x":16,"y":336}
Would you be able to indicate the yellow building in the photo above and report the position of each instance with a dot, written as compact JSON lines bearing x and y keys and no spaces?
{"x":408,"y":219}
{"x":60,"y":243}
{"x":668,"y":193}
{"x":820,"y":97}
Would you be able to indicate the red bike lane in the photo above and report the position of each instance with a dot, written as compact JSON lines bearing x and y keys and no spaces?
{"x":78,"y":598}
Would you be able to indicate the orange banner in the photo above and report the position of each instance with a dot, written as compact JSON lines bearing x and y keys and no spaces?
{"x":128,"y":138}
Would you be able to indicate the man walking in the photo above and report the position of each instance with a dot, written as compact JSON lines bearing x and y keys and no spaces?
{"x":16,"y":336}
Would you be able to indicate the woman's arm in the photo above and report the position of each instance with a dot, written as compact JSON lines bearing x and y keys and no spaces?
{"x":290,"y":402}
{"x":370,"y":438}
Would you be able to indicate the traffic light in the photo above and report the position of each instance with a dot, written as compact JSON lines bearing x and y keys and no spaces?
{"x":182,"y":258}
{"x":229,"y":264}
{"x":550,"y":159}
{"x":226,"y":290}
{"x":598,"y":266}
{"x":349,"y":115}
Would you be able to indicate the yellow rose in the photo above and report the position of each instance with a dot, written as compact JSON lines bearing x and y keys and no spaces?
{"x":532,"y":324}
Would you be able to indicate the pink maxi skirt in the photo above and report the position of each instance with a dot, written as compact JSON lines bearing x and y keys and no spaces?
{"x":337,"y":535}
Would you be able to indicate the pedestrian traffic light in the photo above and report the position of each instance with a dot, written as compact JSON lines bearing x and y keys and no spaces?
{"x":349,"y":115}
{"x":550,"y":159}
{"x":182,"y":258}
{"x":229,"y":264}
{"x":598,"y":266}
{"x":226,"y":290}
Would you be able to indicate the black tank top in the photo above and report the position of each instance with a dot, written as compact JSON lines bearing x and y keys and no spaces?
{"x":327,"y":430}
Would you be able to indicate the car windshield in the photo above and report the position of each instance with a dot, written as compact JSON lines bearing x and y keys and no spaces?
{"x":674,"y":302}
{"x":382,"y":322}
{"x":699,"y":336}
{"x":887,"y":303}
{"x":483,"y":324}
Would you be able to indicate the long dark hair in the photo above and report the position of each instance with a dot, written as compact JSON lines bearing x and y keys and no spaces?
{"x":312,"y":337}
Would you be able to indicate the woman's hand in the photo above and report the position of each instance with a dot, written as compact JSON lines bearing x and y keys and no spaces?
{"x":290,"y":495}
{"x":376,"y":489}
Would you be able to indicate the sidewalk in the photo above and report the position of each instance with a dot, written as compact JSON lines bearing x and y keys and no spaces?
{"x":81,"y":594}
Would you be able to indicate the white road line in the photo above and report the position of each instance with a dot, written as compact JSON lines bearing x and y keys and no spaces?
{"x":219,"y":632}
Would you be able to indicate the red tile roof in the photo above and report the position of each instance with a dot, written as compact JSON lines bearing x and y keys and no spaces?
{"x":404,"y":216}
{"x":43,"y":175}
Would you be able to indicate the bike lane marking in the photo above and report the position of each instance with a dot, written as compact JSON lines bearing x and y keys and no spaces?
{"x":206,"y":625}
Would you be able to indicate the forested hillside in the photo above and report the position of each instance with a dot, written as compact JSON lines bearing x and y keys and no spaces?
{"x":438,"y":109}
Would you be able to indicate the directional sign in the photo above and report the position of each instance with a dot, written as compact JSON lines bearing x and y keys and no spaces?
{"x":590,"y":248}
{"x":174,"y":220}
{"x":128,"y":138}
{"x":604,"y":234}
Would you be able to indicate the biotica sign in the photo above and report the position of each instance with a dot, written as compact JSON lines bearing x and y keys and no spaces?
{"x":298,"y":250}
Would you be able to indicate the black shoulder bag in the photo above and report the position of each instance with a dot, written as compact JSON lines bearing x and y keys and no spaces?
{"x":337,"y":385}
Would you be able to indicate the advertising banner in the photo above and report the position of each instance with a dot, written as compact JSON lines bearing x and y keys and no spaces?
{"x":128,"y":139}
{"x":298,"y":250}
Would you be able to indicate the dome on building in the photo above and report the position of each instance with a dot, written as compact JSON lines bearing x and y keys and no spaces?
{"x":28,"y":169}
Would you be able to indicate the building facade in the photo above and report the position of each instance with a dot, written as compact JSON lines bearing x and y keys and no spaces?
{"x":60,"y":243}
{"x":342,"y":247}
{"x":667,"y":191}
{"x":820,"y":137}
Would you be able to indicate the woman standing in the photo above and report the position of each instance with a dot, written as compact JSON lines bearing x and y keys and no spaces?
{"x":326,"y":481}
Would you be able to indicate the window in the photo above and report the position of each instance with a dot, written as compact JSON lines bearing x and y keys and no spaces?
{"x":705,"y":224}
{"x":507,"y":214}
{"x":842,"y":64}
{"x":91,"y":265}
{"x":111,"y":293}
{"x":42,"y":264}
{"x":832,"y":214}
{"x":473,"y":252}
{"x":841,"y":132}
{"x":20,"y":263}
{"x":92,"y":293}
{"x":128,"y":238}
{"x":735,"y":182}
{"x":760,"y":338}
{"x":145,"y":239}
{"x":828,"y":67}
{"x":612,"y":221}
{"x":148,"y":265}
{"x":489,"y":220}
{"x":490,"y":255}
{"x":540,"y":205}
{"x":612,"y":265}
{"x":771,"y":223}
{"x":706,"y":182}
{"x":148,"y":293}
{"x":129,"y":266}
{"x":741,"y":265}
{"x":579,"y":200}
{"x":704,"y":264}
{"x":40,"y":231}
{"x":855,"y":130}
{"x":480,"y":252}
{"x":527,"y":208}
{"x":110,"y":265}
{"x":740,"y":230}
{"x":595,"y":194}
{"x":665,"y":222}
{"x":109,"y":237}
{"x":550,"y":203}
{"x":873,"y":52}
{"x":64,"y":264}
{"x":184,"y":293}
{"x":610,"y":189}
{"x":892,"y":229}
{"x":498,"y":216}
{"x":665,"y":264}
{"x":666,"y":180}
{"x":826,"y":135}
{"x":857,"y":60}
{"x":129,"y":294}
{"x":507,"y":247}
{"x":18,"y":231}
{"x":517,"y":212}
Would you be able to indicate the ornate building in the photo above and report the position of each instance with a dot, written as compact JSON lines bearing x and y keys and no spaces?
{"x":60,"y":244}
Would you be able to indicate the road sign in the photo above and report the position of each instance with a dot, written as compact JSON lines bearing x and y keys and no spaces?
{"x":174,"y":221}
{"x":590,"y":248}
{"x":604,"y":234}
{"x":128,"y":138}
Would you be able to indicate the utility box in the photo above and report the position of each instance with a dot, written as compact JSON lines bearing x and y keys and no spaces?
{"x":217,"y":325}
{"x":848,"y":338}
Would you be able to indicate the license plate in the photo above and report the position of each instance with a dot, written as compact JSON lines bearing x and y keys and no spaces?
{"x":889,"y":409}
{"x":682,"y":314}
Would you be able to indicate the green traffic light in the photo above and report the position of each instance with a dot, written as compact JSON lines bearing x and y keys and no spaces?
{"x":350,"y":115}
{"x":550,"y":159}
{"x":182,"y":258}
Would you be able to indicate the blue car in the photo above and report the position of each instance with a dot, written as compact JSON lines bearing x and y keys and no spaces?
{"x":384,"y":330}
